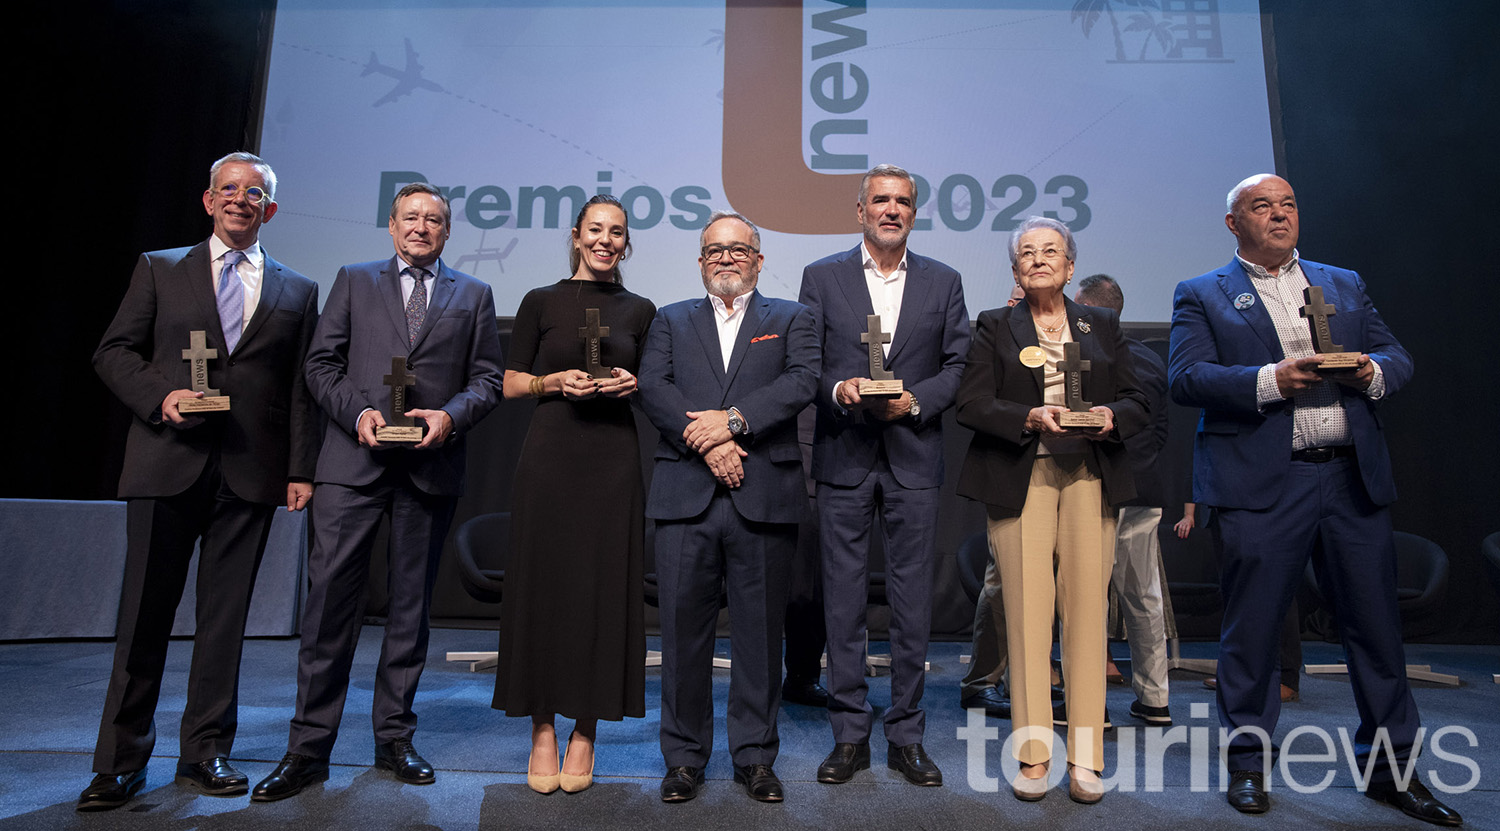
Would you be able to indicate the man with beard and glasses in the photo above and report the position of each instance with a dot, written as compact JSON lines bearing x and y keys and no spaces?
{"x":723,"y":378}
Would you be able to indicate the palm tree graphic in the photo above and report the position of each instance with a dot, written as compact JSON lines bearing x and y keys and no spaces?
{"x":1089,"y":10}
{"x":1157,"y":29}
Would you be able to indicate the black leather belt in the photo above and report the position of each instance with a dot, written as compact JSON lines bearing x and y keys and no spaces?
{"x":1322,"y":454}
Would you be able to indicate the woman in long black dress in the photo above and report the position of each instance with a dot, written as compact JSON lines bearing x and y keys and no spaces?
{"x":572,"y":638}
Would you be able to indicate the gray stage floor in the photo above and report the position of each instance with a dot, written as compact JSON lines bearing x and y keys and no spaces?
{"x":54,"y":692}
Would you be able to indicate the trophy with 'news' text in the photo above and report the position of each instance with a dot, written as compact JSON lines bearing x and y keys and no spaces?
{"x":402,"y":427}
{"x":198,"y":355}
{"x":881,"y":381}
{"x":592,"y":333}
{"x":1317,"y":313}
{"x":1073,"y":367}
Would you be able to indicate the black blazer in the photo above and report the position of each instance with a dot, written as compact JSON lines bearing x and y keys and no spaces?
{"x":270,"y":433}
{"x":997,"y":392}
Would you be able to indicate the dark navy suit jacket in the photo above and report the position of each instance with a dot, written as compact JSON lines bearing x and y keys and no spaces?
{"x":1241,"y":453}
{"x":927,"y":353}
{"x":456,"y":359}
{"x":773,"y":372}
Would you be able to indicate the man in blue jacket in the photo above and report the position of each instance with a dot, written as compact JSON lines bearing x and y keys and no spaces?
{"x":1294,"y":461}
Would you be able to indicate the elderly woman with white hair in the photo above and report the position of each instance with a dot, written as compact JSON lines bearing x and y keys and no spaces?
{"x":1048,"y":491}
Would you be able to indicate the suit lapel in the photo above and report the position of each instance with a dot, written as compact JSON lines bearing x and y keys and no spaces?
{"x":198,"y":268}
{"x":708,"y":335}
{"x":443,"y":287}
{"x":913,"y":303}
{"x":1236,"y":285}
{"x":749,"y":327}
{"x":1023,"y":331}
{"x":271,"y":284}
{"x":1340,"y":321}
{"x":850,"y":277}
{"x":388,"y":284}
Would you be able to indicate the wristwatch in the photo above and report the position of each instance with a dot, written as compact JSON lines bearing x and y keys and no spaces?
{"x":737,"y":424}
{"x":916,"y":406}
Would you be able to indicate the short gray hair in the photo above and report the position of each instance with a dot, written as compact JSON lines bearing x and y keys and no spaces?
{"x":882,"y":171}
{"x":1035,"y":223}
{"x":1100,"y":290}
{"x":267,"y":175}
{"x":1249,"y":182}
{"x":718,"y":215}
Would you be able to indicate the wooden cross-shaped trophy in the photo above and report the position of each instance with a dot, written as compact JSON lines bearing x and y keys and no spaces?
{"x":591,"y":332}
{"x":1073,"y":366}
{"x":402,"y":428}
{"x":881,"y":381}
{"x":198,"y":355}
{"x":1317,"y":313}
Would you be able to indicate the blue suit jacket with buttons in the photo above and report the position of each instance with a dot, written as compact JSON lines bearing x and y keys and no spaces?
{"x":1242,"y":453}
{"x":927,"y":354}
{"x":773,"y":372}
{"x":456,"y":359}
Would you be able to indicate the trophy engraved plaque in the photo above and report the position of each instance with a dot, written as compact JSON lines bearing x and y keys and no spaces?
{"x":198,"y":355}
{"x":881,"y":381}
{"x":591,"y":332}
{"x":1335,"y":359}
{"x":402,"y":428}
{"x":1073,"y":366}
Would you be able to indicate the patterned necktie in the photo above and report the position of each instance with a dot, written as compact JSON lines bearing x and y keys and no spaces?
{"x":416,"y":307}
{"x":231,"y":300}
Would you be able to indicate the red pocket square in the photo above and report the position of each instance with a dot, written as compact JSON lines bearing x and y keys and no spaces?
{"x":764,"y":337}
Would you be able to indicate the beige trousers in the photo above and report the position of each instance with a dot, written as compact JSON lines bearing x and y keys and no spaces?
{"x":1055,"y":558}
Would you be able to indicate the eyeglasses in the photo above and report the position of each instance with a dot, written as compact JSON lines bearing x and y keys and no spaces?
{"x":252,"y":194}
{"x":738,"y":253}
{"x":1048,"y":253}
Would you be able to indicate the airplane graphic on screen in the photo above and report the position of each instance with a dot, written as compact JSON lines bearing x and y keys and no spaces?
{"x":406,"y":79}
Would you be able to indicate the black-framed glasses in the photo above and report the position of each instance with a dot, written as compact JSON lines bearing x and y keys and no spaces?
{"x":737,"y":252}
{"x":252,"y":194}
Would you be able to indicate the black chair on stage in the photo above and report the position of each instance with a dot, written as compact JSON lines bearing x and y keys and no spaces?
{"x":973,"y":558}
{"x":653,"y":596}
{"x":1193,"y":580}
{"x":1421,"y":588}
{"x":1490,"y":554}
{"x":483,"y":547}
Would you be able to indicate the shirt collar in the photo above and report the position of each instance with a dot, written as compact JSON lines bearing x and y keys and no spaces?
{"x":869,"y":262}
{"x":218,"y":248}
{"x":431,"y":270}
{"x":736,"y":305}
{"x":1289,"y":267}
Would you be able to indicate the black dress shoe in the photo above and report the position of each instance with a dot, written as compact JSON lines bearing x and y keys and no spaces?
{"x":1415,"y":801}
{"x":681,"y":784}
{"x":760,"y":782}
{"x":214,"y":777}
{"x":913,"y":762}
{"x":842,"y":763}
{"x":809,"y":693}
{"x":400,"y":758}
{"x":1247,"y":792}
{"x":994,"y":702}
{"x":111,"y":790}
{"x":289,"y":778}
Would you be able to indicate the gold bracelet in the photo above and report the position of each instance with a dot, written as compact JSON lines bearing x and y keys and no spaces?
{"x":538,"y":383}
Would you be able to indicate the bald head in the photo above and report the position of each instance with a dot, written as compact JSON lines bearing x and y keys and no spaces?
{"x":1263,"y":217}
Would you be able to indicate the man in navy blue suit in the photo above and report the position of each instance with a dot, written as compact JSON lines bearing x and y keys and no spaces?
{"x":1295,"y":465}
{"x":882,"y":457}
{"x":723,"y":378}
{"x":443,"y":322}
